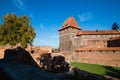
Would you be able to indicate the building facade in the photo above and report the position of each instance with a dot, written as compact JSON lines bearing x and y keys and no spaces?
{"x":67,"y":33}
{"x":72,"y":37}
{"x":87,"y":42}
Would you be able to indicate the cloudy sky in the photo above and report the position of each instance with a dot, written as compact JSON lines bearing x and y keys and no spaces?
{"x":47,"y":16}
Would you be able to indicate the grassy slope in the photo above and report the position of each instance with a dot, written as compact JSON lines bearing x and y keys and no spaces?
{"x":98,"y":69}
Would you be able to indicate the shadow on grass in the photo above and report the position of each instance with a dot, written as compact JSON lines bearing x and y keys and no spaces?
{"x":111,"y":71}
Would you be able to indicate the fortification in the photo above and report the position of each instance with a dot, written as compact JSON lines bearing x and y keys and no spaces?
{"x":90,"y":46}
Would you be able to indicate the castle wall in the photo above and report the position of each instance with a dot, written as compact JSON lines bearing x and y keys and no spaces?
{"x":109,"y":58}
{"x":65,"y":43}
{"x":103,"y":57}
{"x":93,"y":41}
{"x":69,"y":41}
{"x":66,"y":39}
{"x":72,"y":38}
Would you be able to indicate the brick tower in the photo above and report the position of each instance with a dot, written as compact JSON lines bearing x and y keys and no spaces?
{"x":67,"y":34}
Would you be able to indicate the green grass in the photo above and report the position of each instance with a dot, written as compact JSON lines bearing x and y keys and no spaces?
{"x":98,"y":69}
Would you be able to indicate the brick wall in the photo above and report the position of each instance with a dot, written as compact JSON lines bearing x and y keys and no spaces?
{"x":2,"y":53}
{"x":66,"y":38}
{"x":109,"y":58}
{"x":95,"y":41}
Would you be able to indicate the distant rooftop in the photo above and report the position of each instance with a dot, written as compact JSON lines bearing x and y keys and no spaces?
{"x":96,"y":32}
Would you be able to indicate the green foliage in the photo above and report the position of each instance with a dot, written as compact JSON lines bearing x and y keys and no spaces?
{"x":98,"y":69}
{"x":16,"y":30}
{"x":115,"y":26}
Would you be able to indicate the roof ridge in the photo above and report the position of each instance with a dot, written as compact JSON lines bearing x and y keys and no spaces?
{"x":91,"y":32}
{"x":70,"y":22}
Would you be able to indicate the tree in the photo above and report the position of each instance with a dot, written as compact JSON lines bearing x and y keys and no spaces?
{"x":16,"y":30}
{"x":115,"y":26}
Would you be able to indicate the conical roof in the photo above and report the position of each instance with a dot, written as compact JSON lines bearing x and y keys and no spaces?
{"x":70,"y":22}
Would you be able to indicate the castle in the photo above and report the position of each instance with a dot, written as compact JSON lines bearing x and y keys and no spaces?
{"x":90,"y":46}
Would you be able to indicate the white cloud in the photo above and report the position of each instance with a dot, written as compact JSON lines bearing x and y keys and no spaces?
{"x":53,"y":29}
{"x":19,"y":4}
{"x":42,"y":41}
{"x":54,"y":36}
{"x":42,"y":26}
{"x":31,"y":16}
{"x":85,"y":16}
{"x":38,"y":42}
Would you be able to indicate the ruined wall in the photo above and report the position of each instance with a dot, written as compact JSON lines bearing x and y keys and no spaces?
{"x":1,"y":53}
{"x":2,"y":48}
{"x":37,"y":50}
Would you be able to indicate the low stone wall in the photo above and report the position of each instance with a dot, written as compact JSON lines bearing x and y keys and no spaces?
{"x":109,"y":58}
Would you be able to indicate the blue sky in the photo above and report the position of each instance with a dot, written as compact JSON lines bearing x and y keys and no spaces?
{"x":47,"y":16}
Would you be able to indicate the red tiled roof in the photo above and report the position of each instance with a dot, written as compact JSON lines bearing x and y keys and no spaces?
{"x":69,"y":22}
{"x":96,"y":32}
{"x":107,"y":49}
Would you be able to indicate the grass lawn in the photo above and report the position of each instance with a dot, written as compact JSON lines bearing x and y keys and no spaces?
{"x":98,"y":69}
